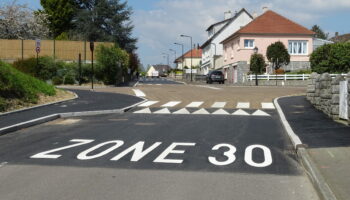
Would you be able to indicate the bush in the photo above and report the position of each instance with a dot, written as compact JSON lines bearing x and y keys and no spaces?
{"x":331,"y":58}
{"x":45,"y":70}
{"x":3,"y":104}
{"x":57,"y":80}
{"x":69,"y":80}
{"x":17,"y":85}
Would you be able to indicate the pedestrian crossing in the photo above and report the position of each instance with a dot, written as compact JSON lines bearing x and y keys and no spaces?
{"x":197,"y":104}
{"x":196,"y":108}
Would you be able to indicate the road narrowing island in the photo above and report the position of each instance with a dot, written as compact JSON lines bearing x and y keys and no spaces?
{"x":138,"y":152}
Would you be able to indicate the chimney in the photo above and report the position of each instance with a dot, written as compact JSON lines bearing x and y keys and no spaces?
{"x":197,"y":46}
{"x":194,"y":46}
{"x":265,"y":8}
{"x":336,"y":34}
{"x":227,"y":14}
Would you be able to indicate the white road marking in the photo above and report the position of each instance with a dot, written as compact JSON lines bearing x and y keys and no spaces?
{"x":209,"y":87}
{"x":194,"y":104}
{"x":145,"y":111}
{"x":267,"y":106}
{"x":220,"y":112}
{"x":162,"y":111}
{"x":240,"y":112}
{"x":148,"y":103}
{"x":330,"y":153}
{"x":139,"y":93}
{"x":245,"y":105}
{"x":158,"y":84}
{"x":218,"y":105}
{"x":182,"y":111}
{"x":171,"y":150}
{"x":3,"y":164}
{"x":260,"y":113}
{"x":201,"y":111}
{"x":171,"y":104}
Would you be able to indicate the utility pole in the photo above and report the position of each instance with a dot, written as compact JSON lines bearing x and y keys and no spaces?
{"x":182,"y":55}
{"x":92,"y":47}
{"x":190,"y":50}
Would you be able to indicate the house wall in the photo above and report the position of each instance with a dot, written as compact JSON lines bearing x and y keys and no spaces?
{"x":150,"y":70}
{"x":234,"y":50}
{"x":209,"y":50}
{"x":195,"y":62}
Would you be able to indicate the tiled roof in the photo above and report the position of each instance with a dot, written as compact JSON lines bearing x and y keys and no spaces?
{"x":341,"y":38}
{"x":272,"y":23}
{"x":196,"y":53}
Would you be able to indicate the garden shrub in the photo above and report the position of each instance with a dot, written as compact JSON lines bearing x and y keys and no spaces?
{"x":17,"y":85}
{"x":331,"y":58}
{"x":57,"y":80}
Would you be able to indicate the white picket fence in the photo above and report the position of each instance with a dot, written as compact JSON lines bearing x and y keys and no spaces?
{"x":284,"y":76}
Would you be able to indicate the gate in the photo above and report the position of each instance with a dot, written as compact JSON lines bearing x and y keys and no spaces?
{"x":343,"y":100}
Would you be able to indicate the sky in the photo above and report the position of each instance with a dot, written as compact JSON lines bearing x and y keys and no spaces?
{"x":159,"y":23}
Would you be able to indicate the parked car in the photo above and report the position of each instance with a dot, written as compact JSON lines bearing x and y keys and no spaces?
{"x":215,"y":76}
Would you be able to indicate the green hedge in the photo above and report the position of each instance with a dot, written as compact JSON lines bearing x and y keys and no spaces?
{"x":17,"y":85}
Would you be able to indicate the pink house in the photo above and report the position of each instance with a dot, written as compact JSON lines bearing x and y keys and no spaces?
{"x":264,"y":30}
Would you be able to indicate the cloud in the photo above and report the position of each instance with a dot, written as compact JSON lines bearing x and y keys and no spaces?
{"x":159,"y":28}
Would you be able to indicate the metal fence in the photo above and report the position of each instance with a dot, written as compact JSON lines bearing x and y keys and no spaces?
{"x":285,"y":77}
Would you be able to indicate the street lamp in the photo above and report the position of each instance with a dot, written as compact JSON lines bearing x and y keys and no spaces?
{"x":167,"y":57}
{"x":190,"y":50}
{"x":174,"y":52}
{"x":214,"y":53}
{"x":256,"y":49}
{"x":92,"y":47}
{"x":182,"y":51}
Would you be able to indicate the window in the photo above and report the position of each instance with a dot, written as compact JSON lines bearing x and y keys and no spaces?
{"x":248,"y":43}
{"x":231,"y":50}
{"x":225,"y":53}
{"x":297,"y":47}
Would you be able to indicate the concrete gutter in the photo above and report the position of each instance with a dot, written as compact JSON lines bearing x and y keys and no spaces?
{"x":318,"y":181}
{"x":52,"y":117}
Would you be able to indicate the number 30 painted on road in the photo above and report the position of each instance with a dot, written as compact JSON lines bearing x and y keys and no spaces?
{"x":230,"y":154}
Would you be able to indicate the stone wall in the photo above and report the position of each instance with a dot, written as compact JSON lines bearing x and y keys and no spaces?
{"x":323,"y":93}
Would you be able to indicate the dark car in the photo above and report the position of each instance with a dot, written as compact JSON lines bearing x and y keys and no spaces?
{"x":215,"y":76}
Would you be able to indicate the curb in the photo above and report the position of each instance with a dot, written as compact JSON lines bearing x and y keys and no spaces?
{"x":318,"y":181}
{"x":52,"y":117}
{"x":47,"y":104}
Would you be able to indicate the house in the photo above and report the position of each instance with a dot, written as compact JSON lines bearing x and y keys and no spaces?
{"x":212,"y":50}
{"x":184,"y":61}
{"x":264,"y":30}
{"x":341,"y":38}
{"x":158,"y":70}
{"x":317,"y":42}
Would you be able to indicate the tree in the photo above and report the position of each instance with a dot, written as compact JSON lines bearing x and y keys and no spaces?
{"x":60,"y":14}
{"x":134,"y":62}
{"x":331,"y":58}
{"x":17,"y":21}
{"x":278,"y":55}
{"x":257,"y":64}
{"x":319,"y":32}
{"x":105,"y":20}
{"x":112,"y":62}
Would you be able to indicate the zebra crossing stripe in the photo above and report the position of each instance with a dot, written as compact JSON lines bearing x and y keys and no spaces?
{"x":139,"y":93}
{"x":218,"y":105}
{"x":182,"y":111}
{"x":171,"y":104}
{"x":148,"y":103}
{"x":240,"y":112}
{"x":267,"y":105}
{"x":220,"y":112}
{"x":245,"y":105}
{"x":195,"y":104}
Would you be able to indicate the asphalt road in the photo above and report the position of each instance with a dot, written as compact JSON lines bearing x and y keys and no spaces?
{"x":153,"y":156}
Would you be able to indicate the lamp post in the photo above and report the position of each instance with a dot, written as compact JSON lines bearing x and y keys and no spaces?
{"x":182,"y":51}
{"x":174,"y":52}
{"x":190,"y":50}
{"x":214,"y":53}
{"x":92,"y":47}
{"x":167,"y":57}
{"x":256,"y":74}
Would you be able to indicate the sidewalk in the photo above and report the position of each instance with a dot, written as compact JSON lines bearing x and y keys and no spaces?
{"x":87,"y":101}
{"x":328,"y":142}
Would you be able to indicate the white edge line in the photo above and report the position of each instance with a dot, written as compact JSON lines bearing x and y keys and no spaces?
{"x":42,"y":105}
{"x":136,"y":83}
{"x":294,"y":138}
{"x":28,"y":122}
